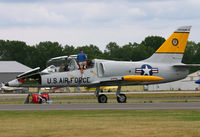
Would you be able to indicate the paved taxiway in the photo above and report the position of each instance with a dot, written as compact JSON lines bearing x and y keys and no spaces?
{"x":94,"y":106}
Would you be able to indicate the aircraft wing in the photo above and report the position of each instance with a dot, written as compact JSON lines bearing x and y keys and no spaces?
{"x":129,"y":78}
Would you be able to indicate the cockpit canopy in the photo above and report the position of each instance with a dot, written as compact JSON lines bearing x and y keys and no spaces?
{"x":62,"y":64}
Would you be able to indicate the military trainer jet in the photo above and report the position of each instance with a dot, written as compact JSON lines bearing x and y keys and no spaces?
{"x":163,"y":66}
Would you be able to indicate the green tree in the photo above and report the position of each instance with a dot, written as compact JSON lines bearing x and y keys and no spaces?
{"x":153,"y":41}
{"x":112,"y":51}
{"x":13,"y":50}
{"x":32,"y":57}
{"x":47,"y":50}
{"x":91,"y":51}
{"x":69,"y":50}
{"x":192,"y":54}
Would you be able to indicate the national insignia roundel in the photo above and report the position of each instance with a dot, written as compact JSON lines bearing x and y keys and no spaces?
{"x":175,"y":42}
{"x":146,"y":70}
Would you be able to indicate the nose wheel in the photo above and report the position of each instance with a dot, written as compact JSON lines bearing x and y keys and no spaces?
{"x":102,"y":98}
{"x":121,"y":98}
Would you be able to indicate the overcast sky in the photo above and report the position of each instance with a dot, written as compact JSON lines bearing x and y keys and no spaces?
{"x":98,"y":22}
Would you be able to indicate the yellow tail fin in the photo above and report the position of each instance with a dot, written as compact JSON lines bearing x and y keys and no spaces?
{"x":176,"y":43}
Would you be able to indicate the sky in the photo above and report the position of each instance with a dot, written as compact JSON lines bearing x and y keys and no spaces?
{"x":98,"y":22}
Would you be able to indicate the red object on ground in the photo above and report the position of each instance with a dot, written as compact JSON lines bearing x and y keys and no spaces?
{"x":36,"y":99}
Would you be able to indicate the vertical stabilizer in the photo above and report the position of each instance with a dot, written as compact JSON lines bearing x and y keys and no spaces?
{"x":171,"y":51}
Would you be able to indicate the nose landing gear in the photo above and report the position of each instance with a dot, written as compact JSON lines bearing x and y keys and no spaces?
{"x":101,"y":98}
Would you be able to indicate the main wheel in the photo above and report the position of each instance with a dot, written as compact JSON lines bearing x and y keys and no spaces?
{"x":121,"y":98}
{"x":102,"y":98}
{"x":43,"y":101}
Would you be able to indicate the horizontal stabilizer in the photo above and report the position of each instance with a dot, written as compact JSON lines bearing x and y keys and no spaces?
{"x":187,"y":65}
{"x":141,"y":78}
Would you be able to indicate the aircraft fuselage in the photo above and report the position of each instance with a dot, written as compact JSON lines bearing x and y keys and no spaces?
{"x":114,"y":72}
{"x":108,"y":73}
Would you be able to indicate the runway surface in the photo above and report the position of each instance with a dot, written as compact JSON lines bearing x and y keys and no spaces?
{"x":94,"y":106}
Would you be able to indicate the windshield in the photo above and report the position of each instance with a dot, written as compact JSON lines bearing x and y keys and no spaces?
{"x":57,"y":61}
{"x":61,"y":64}
{"x":65,"y":63}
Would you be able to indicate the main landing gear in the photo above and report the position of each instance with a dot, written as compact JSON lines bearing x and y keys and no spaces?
{"x":121,"y":98}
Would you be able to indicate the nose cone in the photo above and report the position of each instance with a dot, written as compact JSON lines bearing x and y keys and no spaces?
{"x":13,"y":83}
{"x":197,"y":81}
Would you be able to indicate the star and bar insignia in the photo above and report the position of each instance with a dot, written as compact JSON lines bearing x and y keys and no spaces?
{"x":146,"y":70}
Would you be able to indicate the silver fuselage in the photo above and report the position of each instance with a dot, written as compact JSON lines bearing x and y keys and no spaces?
{"x":106,"y":73}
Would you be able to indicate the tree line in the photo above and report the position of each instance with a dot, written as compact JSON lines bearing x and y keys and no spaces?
{"x":37,"y":55}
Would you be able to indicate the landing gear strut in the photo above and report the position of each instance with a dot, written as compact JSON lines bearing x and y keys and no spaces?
{"x":121,"y":98}
{"x":101,"y":98}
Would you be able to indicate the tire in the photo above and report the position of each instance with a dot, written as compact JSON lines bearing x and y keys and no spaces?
{"x":122,"y":98}
{"x":43,"y":101}
{"x":102,"y":98}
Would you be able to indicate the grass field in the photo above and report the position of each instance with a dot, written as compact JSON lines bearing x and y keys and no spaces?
{"x":131,"y":98}
{"x":132,"y":123}
{"x":135,"y":95}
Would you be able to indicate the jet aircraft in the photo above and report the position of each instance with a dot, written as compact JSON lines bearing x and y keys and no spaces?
{"x":165,"y":65}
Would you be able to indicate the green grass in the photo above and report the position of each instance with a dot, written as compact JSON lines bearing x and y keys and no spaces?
{"x":134,"y":95}
{"x":12,"y":101}
{"x":106,"y":123}
{"x":131,"y":98}
{"x":115,"y":101}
